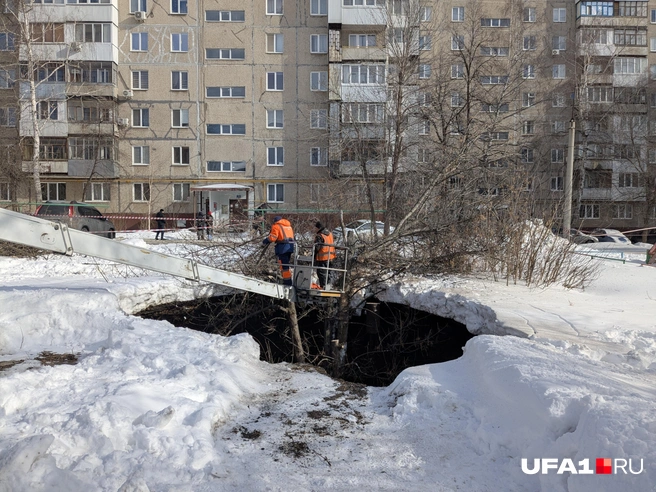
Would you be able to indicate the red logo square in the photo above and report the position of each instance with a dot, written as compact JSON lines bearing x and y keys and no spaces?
{"x":604,"y":466}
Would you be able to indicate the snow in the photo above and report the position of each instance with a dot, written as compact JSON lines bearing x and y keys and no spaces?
{"x":553,"y":373}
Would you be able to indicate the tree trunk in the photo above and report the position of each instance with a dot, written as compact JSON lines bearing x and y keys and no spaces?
{"x":299,"y":353}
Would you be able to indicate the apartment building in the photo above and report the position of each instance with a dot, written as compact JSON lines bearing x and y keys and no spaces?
{"x":228,"y":106}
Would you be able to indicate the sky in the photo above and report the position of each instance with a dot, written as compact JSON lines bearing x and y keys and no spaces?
{"x":560,"y":376}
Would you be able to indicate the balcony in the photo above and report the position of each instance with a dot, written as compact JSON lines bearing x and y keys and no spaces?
{"x":598,"y":194}
{"x":100,"y":168}
{"x":47,"y":167}
{"x":364,"y":54}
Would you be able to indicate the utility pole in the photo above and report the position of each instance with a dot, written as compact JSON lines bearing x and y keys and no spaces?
{"x":569,"y":177}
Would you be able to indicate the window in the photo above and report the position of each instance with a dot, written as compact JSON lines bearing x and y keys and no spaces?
{"x":558,"y":101}
{"x":457,"y":42}
{"x":457,"y":101}
{"x":141,"y":192}
{"x":275,"y":118}
{"x":557,"y":183}
{"x":319,"y":43}
{"x":97,"y":192}
{"x":6,"y":41}
{"x":529,"y":43}
{"x":226,"y":166}
{"x":178,"y":6}
{"x":595,"y":36}
{"x":626,"y":65}
{"x":528,"y":72}
{"x":181,"y":192}
{"x":423,"y":127}
{"x":179,"y":118}
{"x":622,"y":211}
{"x":600,"y":94}
{"x":274,"y":81}
{"x":140,"y":80}
{"x":652,"y":156}
{"x":363,"y":74}
{"x":318,"y":192}
{"x":274,"y":7}
{"x":46,"y":110}
{"x":426,"y":14}
{"x":527,"y":155}
{"x":557,"y":155}
{"x":318,"y":156}
{"x":180,"y":42}
{"x":423,"y":98}
{"x":89,"y":148}
{"x":487,"y":136}
{"x":140,"y":155}
{"x":362,"y":2}
{"x":181,"y":156}
{"x":424,"y":71}
{"x":494,"y":79}
{"x":51,"y":72}
{"x":595,"y":9}
{"x":275,"y":156}
{"x":139,"y":41}
{"x":589,"y":212}
{"x":363,"y":113}
{"x":138,"y":6}
{"x":529,"y":14}
{"x":179,"y":80}
{"x":140,"y":118}
{"x":225,"y":92}
{"x":528,"y":127}
{"x":319,"y":118}
{"x":274,"y":43}
{"x":494,"y":51}
{"x":8,"y":117}
{"x":217,"y":129}
{"x":48,"y":33}
{"x":559,"y":43}
{"x":4,"y":192}
{"x":53,"y":191}
{"x":362,"y":40}
{"x":225,"y":53}
{"x":93,"y":32}
{"x":632,"y":9}
{"x":319,"y":81}
{"x":225,"y":15}
{"x":558,"y":71}
{"x":629,"y":180}
{"x":275,"y":193}
{"x":652,"y":44}
{"x":318,"y":7}
{"x":458,"y":14}
{"x":495,"y":22}
{"x":424,"y":42}
{"x":630,"y":36}
{"x":560,"y":15}
{"x":457,"y":71}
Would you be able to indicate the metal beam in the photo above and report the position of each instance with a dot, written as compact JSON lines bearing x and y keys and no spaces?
{"x":53,"y":236}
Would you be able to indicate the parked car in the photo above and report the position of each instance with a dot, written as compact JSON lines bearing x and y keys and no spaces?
{"x":78,"y":216}
{"x":580,"y":237}
{"x":610,"y":236}
{"x":361,"y":229}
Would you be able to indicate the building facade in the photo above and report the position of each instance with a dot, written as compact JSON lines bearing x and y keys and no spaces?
{"x":181,"y":105}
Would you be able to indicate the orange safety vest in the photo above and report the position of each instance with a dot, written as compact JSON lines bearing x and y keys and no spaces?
{"x":281,"y":232}
{"x":326,"y":249}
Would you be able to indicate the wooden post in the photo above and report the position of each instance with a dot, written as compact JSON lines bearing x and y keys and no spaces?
{"x":299,"y":353}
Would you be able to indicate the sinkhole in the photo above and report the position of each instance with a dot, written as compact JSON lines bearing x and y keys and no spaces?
{"x":383,"y":338}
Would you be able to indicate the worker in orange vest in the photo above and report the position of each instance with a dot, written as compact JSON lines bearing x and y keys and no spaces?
{"x":282,"y":235}
{"x":324,"y":252}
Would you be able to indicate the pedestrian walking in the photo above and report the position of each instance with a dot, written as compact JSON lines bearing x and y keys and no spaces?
{"x":161,"y":224}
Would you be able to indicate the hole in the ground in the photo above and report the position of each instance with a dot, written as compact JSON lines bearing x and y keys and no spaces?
{"x":382,"y":341}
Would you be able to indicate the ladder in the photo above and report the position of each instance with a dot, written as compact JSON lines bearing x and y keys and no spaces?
{"x":59,"y":238}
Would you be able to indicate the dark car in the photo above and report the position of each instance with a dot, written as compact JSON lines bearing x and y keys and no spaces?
{"x":78,"y":216}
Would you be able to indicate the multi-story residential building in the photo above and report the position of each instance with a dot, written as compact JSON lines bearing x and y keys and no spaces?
{"x":143,"y":105}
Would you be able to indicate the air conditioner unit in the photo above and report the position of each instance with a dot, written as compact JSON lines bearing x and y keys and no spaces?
{"x":123,"y":121}
{"x":555,"y":52}
{"x":140,"y":16}
{"x":75,"y":46}
{"x":128,"y":94}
